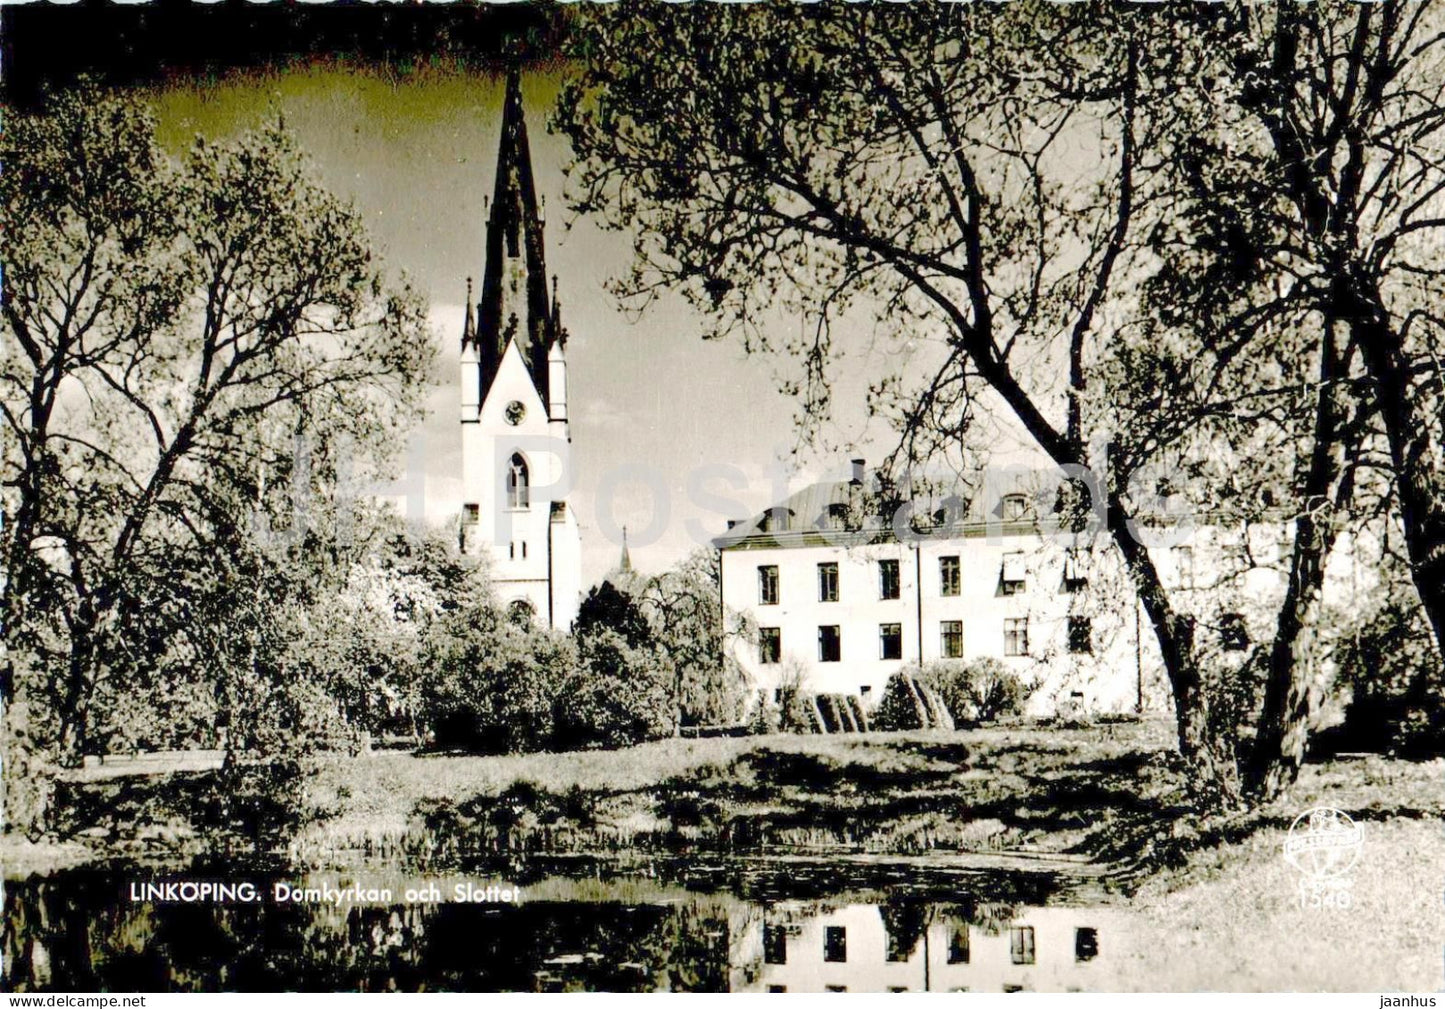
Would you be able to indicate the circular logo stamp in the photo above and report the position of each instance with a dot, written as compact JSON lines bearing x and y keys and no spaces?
{"x":1323,"y":843}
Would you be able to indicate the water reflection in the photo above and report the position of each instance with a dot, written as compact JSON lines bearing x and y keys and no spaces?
{"x":76,"y":931}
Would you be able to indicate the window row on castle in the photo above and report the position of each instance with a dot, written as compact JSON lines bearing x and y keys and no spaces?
{"x":1233,"y":637}
{"x":1023,"y":946}
{"x":1012,"y":575}
{"x":950,"y":640}
{"x":1013,"y":578}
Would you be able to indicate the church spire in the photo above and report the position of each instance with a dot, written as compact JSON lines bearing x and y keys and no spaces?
{"x":625,"y":564}
{"x":469,"y":327}
{"x":514,"y":303}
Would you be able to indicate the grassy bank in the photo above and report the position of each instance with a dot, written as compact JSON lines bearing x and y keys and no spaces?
{"x":1107,"y":794}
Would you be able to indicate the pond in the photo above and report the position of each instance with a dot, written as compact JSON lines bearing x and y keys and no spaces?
{"x":738,"y":926}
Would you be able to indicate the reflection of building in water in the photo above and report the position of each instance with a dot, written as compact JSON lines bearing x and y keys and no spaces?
{"x":917,"y":947}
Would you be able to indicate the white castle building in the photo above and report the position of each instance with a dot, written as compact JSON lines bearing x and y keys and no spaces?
{"x":843,"y":598}
{"x":515,"y":438}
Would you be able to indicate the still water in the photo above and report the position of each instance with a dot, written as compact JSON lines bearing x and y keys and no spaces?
{"x":794,"y":929}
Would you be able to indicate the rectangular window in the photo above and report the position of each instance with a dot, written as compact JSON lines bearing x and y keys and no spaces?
{"x":768,"y":584}
{"x":775,"y":944}
{"x":770,"y":645}
{"x":830,"y":647}
{"x":887,"y":579}
{"x":1075,"y":576}
{"x":1021,"y":944}
{"x":471,"y":514}
{"x":1233,"y":635}
{"x":951,"y":639}
{"x":890,"y":641}
{"x":1016,"y":636}
{"x":1086,"y":944}
{"x":948,"y":576}
{"x":865,"y":691}
{"x":958,"y":945}
{"x":1184,"y":567}
{"x":835,"y":944}
{"x":1013,"y":577}
{"x":828,"y":583}
{"x":1081,"y":635}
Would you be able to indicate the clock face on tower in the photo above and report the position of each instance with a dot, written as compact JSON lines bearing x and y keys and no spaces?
{"x":515,"y":413}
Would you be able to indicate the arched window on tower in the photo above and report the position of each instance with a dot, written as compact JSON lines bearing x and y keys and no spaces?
{"x":517,"y":493}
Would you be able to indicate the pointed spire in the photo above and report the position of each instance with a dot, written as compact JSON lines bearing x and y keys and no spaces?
{"x":469,"y":328}
{"x":514,"y":283}
{"x":625,"y":564}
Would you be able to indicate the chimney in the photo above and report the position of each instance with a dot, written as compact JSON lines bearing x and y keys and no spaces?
{"x":858,"y":465}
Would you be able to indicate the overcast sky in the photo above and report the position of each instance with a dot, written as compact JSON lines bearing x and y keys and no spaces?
{"x":647,"y":394}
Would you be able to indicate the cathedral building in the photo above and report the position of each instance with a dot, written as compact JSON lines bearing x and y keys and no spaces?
{"x":515,"y":436}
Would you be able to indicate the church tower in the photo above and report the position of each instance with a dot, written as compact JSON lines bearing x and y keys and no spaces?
{"x":515,"y":437}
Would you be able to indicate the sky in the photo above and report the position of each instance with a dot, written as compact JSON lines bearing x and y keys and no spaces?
{"x":653,"y":407}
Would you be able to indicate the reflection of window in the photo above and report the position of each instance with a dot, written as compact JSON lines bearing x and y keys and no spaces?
{"x":1081,"y":635}
{"x":958,"y":945}
{"x":830,"y":646}
{"x":1013,"y":577}
{"x":1014,"y":507}
{"x":888,"y":579}
{"x":1021,"y":944}
{"x":770,"y":645}
{"x":951,"y":639}
{"x":1086,"y":943}
{"x":1233,"y":635}
{"x":828,"y":583}
{"x":835,"y":944}
{"x":1074,"y":577}
{"x":1184,"y":565}
{"x":775,"y":944}
{"x":890,"y":641}
{"x":1016,"y":636}
{"x":768,"y":585}
{"x":517,"y":492}
{"x":948,"y":580}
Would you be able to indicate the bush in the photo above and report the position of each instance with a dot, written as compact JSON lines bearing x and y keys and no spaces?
{"x":910,"y":703}
{"x":620,"y":695}
{"x":1392,"y":671}
{"x":982,"y":690}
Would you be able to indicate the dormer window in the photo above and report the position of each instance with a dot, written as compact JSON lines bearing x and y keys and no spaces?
{"x":1014,"y":507}
{"x":835,"y":516}
{"x":776,"y":520}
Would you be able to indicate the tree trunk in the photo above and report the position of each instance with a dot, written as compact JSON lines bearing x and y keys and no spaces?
{"x":1279,"y":744}
{"x":1411,"y":429}
{"x":1207,"y":749}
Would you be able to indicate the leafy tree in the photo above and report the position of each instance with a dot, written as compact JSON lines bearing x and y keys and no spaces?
{"x":494,"y":685}
{"x":610,"y":607}
{"x":174,"y":333}
{"x":968,"y":175}
{"x":620,"y":694}
{"x":684,"y":607}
